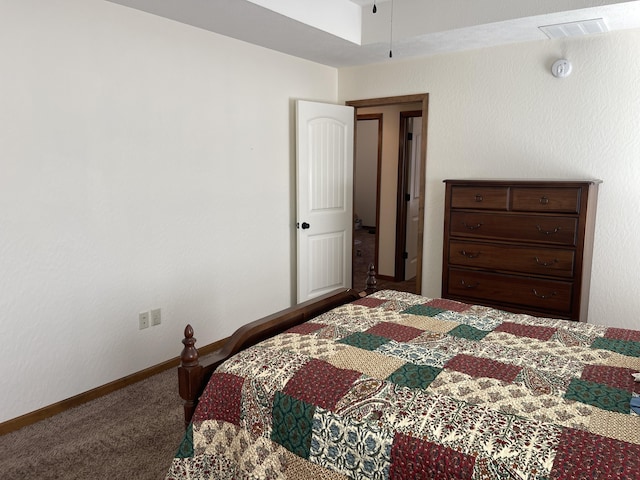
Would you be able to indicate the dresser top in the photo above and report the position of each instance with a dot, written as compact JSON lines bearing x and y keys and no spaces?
{"x":523,"y":181}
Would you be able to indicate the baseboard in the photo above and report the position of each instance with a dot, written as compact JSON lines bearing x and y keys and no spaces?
{"x":51,"y":410}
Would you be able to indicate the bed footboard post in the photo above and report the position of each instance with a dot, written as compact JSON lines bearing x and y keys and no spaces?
{"x":189,"y":375}
{"x":371,"y":286}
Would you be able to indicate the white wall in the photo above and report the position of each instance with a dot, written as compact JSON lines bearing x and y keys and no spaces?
{"x":499,"y":113}
{"x":365,"y":182}
{"x":143,"y":164}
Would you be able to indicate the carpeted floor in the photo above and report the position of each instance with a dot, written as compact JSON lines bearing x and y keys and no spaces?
{"x":132,"y":433}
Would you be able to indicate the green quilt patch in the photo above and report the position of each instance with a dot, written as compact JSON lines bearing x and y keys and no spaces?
{"x":424,"y":310}
{"x":185,"y":450}
{"x":599,"y":395}
{"x":292,"y":424}
{"x":468,"y":332}
{"x":414,"y":376}
{"x":623,"y":347}
{"x":363,"y":340}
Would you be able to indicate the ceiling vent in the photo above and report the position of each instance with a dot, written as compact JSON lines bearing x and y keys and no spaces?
{"x":575,"y":29}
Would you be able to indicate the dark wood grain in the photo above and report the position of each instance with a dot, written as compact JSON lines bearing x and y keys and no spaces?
{"x":523,"y":246}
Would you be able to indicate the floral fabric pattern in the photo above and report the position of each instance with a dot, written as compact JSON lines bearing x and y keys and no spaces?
{"x":400,"y":386}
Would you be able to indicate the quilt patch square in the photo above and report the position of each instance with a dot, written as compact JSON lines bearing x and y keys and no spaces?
{"x":623,"y":347}
{"x":292,"y":424}
{"x":483,"y":367}
{"x":481,"y":323}
{"x":394,"y":331}
{"x":372,"y":364}
{"x":221,"y":399}
{"x":320,"y":383}
{"x":611,"y":376}
{"x":416,"y":354}
{"x":347,"y":446}
{"x":429,"y":324}
{"x":306,"y":328}
{"x":415,"y":458}
{"x":414,"y":376}
{"x":468,"y":332}
{"x":530,"y":331}
{"x":585,"y":455}
{"x":424,"y":310}
{"x":599,"y":395}
{"x":623,"y":427}
{"x":364,"y":340}
{"x":370,"y":302}
{"x":623,"y":334}
{"x":445,"y":304}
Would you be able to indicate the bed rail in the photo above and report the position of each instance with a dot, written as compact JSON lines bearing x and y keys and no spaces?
{"x":194,"y":375}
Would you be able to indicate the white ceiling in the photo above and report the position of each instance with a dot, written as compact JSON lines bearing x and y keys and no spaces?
{"x":343,"y":33}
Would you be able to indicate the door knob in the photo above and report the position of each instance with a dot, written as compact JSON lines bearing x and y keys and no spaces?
{"x":305,"y":225}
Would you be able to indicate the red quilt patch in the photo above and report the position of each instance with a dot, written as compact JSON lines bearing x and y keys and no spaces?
{"x":221,"y":399}
{"x":448,"y":305}
{"x":418,"y":459}
{"x":369,"y":302}
{"x":320,"y":383}
{"x":529,"y":331}
{"x":483,"y":367}
{"x":617,"y":377}
{"x":586,"y":455}
{"x":305,"y":328}
{"x":399,"y":333}
{"x":623,"y":334}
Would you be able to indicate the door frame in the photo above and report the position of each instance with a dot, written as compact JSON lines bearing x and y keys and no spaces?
{"x":424,"y":98}
{"x":401,"y":205}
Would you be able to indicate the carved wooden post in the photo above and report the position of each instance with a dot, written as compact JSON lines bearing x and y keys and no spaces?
{"x":371,"y":280}
{"x":189,"y":375}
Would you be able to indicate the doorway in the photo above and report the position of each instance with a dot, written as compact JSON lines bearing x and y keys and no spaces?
{"x":408,"y":203}
{"x":390,"y":178}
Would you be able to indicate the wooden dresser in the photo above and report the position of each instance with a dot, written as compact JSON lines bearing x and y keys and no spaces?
{"x":521,"y":246}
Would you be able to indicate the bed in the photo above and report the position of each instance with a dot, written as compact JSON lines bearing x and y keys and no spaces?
{"x":400,"y":386}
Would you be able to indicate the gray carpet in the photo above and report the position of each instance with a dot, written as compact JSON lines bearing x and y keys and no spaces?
{"x":132,"y":433}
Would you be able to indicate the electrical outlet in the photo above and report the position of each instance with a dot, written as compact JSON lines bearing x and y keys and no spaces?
{"x":156,"y":316}
{"x":143,"y":319}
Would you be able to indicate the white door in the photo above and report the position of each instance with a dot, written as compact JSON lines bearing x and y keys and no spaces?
{"x":324,"y":197}
{"x":413,"y":190}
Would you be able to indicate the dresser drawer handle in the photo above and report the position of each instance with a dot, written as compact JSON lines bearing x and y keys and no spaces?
{"x":535,"y":292}
{"x":472,"y":227}
{"x":479,"y":197}
{"x":544,"y":200}
{"x":546,"y":264}
{"x":469,"y":285}
{"x":464,"y":253}
{"x":548,"y":232}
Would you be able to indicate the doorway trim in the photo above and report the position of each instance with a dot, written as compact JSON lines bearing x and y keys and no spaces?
{"x":424,"y":98}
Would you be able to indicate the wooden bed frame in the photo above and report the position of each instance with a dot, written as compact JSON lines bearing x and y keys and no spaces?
{"x":193,"y":375}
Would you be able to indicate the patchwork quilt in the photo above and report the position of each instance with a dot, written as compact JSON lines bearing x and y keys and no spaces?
{"x":399,"y":386}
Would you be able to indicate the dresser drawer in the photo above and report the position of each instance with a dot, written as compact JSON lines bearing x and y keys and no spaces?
{"x":527,"y":228}
{"x":531,"y":260}
{"x":485,"y":198}
{"x":526,"y":292}
{"x":545,"y":199}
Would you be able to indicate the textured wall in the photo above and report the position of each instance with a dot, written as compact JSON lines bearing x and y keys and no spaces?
{"x":499,"y":113}
{"x":144,"y":164}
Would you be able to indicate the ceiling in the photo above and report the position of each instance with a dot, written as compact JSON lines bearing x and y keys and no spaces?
{"x":343,"y":33}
